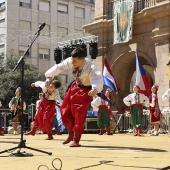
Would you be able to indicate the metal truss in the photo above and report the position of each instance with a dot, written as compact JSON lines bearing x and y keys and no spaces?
{"x":48,"y":38}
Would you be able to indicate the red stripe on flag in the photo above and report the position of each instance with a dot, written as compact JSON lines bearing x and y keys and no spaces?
{"x":107,"y":66}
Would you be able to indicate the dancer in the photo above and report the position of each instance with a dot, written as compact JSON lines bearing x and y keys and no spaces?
{"x":154,"y":109}
{"x":45,"y":115}
{"x":16,"y":105}
{"x":104,"y":114}
{"x":136,"y":101}
{"x":110,"y":104}
{"x":88,"y":82}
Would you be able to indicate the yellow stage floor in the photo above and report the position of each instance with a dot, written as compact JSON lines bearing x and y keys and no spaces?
{"x":117,"y":152}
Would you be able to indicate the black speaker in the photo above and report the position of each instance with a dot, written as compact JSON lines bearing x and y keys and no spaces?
{"x":67,"y":52}
{"x":84,"y":47}
{"x":57,"y":55}
{"x":93,"y":50}
{"x":91,"y":124}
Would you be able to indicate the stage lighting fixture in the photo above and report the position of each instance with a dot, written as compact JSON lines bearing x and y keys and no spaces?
{"x":57,"y":55}
{"x":93,"y":50}
{"x":84,"y":47}
{"x":67,"y":51}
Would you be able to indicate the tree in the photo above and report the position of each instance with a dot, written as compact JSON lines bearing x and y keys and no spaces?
{"x":10,"y":80}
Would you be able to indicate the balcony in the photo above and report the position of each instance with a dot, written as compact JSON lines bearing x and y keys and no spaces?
{"x":139,"y":5}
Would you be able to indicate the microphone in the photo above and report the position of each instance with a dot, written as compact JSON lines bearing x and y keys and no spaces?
{"x":41,"y":27}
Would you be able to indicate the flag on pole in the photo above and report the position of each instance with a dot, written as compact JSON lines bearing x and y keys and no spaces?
{"x":142,"y":79}
{"x":108,"y":78}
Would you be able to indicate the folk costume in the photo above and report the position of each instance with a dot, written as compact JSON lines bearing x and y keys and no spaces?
{"x":104,"y":114}
{"x":110,"y":104}
{"x":15,"y":106}
{"x":76,"y":101}
{"x":154,"y":110}
{"x":46,"y":111}
{"x":136,"y":101}
{"x":38,"y":102}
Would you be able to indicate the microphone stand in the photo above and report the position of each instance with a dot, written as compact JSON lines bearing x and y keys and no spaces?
{"x":22,"y":142}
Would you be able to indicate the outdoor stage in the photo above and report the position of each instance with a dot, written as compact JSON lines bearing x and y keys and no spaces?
{"x":124,"y":151}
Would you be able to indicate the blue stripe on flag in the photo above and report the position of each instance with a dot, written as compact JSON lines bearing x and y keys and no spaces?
{"x":109,"y":84}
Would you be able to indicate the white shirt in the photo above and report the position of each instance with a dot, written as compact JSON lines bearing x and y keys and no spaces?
{"x":134,"y":98}
{"x":54,"y":95}
{"x":97,"y":102}
{"x":166,"y":95}
{"x":38,"y":104}
{"x":152,"y":104}
{"x":89,"y":75}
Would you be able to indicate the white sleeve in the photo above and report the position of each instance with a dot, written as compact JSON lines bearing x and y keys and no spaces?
{"x":152,"y":104}
{"x":41,"y":84}
{"x":37,"y":104}
{"x":96,"y":102}
{"x":10,"y":104}
{"x":58,"y":68}
{"x":96,"y":79}
{"x":127,"y":100}
{"x":166,"y":95}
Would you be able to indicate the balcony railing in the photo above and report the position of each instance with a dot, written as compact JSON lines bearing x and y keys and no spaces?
{"x":139,"y":5}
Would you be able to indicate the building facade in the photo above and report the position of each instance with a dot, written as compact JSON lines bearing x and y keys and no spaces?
{"x":20,"y":19}
{"x":151,"y":34}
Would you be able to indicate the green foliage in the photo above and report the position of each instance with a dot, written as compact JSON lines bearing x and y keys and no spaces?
{"x":10,"y":80}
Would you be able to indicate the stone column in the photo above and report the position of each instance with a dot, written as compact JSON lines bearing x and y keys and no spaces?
{"x":100,"y":10}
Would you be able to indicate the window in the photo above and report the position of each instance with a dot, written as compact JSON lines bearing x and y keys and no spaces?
{"x":2,"y":51}
{"x":25,"y":25}
{"x":63,"y":8}
{"x":25,"y":3}
{"x":79,"y":12}
{"x":62,"y":31}
{"x":44,"y":6}
{"x":44,"y":54}
{"x":92,"y":15}
{"x":92,"y":1}
{"x":22,"y":50}
{"x":2,"y":26}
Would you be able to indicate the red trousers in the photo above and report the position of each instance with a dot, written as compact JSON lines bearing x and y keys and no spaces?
{"x":45,"y":114}
{"x":74,"y":107}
